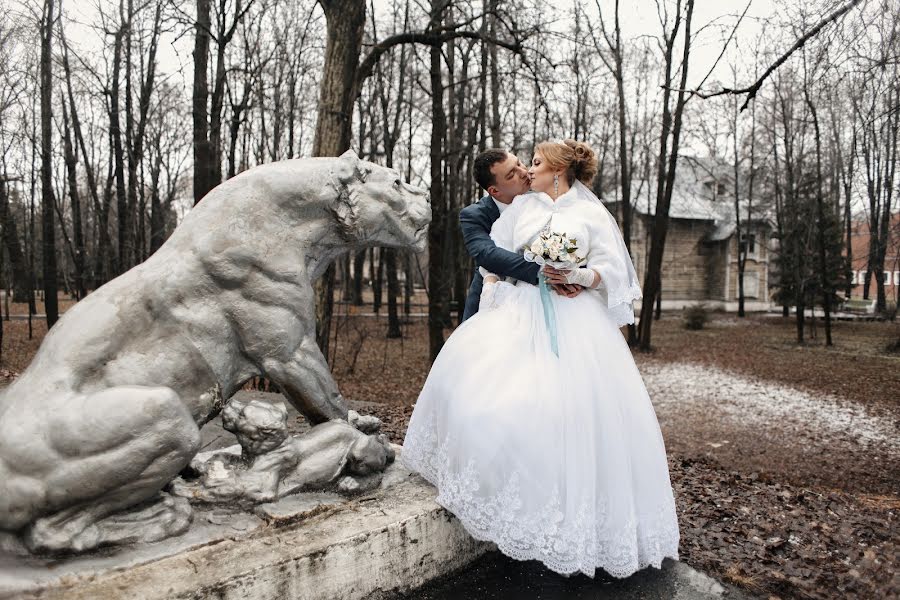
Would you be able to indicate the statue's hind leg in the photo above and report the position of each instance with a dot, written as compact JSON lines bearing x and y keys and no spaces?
{"x":141,"y":439}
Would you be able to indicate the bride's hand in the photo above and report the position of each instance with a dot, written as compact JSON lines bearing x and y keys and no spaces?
{"x":581,"y":276}
{"x":493,"y":294}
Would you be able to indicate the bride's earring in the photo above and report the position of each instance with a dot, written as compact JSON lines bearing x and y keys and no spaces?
{"x":555,"y":186}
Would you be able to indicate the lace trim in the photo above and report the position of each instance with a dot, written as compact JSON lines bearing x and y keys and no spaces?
{"x":620,"y":304}
{"x":584,"y":543}
{"x":494,"y":295}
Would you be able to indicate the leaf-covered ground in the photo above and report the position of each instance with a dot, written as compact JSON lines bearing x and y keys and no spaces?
{"x":784,"y":458}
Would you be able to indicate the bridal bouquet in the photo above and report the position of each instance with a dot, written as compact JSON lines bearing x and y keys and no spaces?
{"x":554,"y":249}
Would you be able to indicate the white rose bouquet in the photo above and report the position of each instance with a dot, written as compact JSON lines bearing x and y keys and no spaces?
{"x":554,"y":249}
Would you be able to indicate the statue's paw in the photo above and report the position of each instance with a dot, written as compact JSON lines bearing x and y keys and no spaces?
{"x":73,"y":531}
{"x":261,"y":497}
{"x":359,"y":484}
{"x":162,"y":517}
{"x":49,"y":536}
{"x":185,"y":488}
{"x":348,"y":485}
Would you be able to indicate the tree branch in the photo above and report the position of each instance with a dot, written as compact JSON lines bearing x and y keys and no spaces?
{"x":428,"y":38}
{"x":752,"y":90}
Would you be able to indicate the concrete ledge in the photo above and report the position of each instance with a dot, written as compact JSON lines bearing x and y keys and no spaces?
{"x":395,"y":539}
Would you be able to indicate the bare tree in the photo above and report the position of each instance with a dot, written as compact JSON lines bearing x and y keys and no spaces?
{"x":878,"y":114}
{"x":48,"y":229}
{"x":668,"y":158}
{"x":11,"y":86}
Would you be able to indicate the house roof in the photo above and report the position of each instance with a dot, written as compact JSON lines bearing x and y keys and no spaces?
{"x":702,"y":192}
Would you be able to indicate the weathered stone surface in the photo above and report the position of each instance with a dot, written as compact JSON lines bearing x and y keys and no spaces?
{"x":396,"y":538}
{"x":297,"y":507}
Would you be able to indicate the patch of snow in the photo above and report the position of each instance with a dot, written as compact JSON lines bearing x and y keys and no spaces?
{"x":755,"y":402}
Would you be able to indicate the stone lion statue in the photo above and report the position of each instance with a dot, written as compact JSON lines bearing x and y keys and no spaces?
{"x":109,"y":410}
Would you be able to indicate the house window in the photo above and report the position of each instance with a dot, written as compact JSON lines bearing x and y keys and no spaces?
{"x":748,"y":241}
{"x":714,"y":187}
{"x":751,"y":284}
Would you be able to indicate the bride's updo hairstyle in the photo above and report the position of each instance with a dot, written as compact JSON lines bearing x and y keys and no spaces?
{"x":577,"y":159}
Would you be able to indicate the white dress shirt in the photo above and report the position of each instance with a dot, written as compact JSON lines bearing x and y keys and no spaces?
{"x":500,"y":206}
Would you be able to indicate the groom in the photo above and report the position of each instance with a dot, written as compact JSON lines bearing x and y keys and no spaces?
{"x":503,"y":176}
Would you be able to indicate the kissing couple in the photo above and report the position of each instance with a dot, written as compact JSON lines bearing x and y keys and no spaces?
{"x":534,"y":423}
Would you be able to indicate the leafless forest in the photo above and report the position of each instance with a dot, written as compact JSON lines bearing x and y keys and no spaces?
{"x":116,"y":116}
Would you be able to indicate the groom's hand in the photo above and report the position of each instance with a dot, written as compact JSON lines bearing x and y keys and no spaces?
{"x":568,"y":290}
{"x":555,"y":276}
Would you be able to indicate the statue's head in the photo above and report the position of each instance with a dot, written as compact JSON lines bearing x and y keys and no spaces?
{"x":370,"y":454}
{"x":376,"y":207}
{"x":260,"y":427}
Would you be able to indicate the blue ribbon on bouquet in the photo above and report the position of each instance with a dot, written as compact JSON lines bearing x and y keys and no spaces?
{"x":549,"y":312}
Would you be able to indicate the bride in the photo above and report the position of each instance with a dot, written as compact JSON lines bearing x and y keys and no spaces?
{"x":534,"y":423}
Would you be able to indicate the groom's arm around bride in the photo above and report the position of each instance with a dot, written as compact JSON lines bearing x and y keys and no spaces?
{"x":503,"y":176}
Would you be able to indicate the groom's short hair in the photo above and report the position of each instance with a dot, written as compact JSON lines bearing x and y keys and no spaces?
{"x":481,"y":168}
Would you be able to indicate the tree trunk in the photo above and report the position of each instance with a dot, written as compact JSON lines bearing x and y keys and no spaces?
{"x":126,"y":217}
{"x":625,"y":158}
{"x":408,"y":283}
{"x":13,"y":247}
{"x":359,"y":265}
{"x":136,"y":134}
{"x":496,"y":132}
{"x":390,"y":256}
{"x":48,"y":230}
{"x":75,"y":200}
{"x":825,"y":276}
{"x":743,"y":245}
{"x":437,"y":285}
{"x":85,"y":157}
{"x":104,"y":264}
{"x":665,"y":175}
{"x":377,"y":269}
{"x":157,"y":218}
{"x":115,"y":129}
{"x":203,"y":175}
{"x":345,"y":20}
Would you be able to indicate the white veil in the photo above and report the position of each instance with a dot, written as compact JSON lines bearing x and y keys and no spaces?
{"x":617,"y":273}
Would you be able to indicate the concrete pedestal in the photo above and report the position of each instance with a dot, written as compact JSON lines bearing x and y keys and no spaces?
{"x":313,"y":546}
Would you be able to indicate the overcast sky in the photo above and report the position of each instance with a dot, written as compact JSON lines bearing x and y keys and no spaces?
{"x":639,"y":18}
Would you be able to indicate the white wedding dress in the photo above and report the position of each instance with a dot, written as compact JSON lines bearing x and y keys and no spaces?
{"x":558,"y":459}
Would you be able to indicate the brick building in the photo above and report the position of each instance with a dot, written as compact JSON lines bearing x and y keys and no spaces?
{"x":859,"y":240}
{"x":700,"y":262}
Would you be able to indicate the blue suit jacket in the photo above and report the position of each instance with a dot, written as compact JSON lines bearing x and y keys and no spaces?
{"x":475,"y":221}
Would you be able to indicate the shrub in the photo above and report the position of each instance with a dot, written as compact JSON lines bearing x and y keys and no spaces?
{"x":696,"y":316}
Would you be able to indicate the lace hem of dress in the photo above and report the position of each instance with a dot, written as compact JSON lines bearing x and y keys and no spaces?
{"x":620,"y":304}
{"x":583,"y":544}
